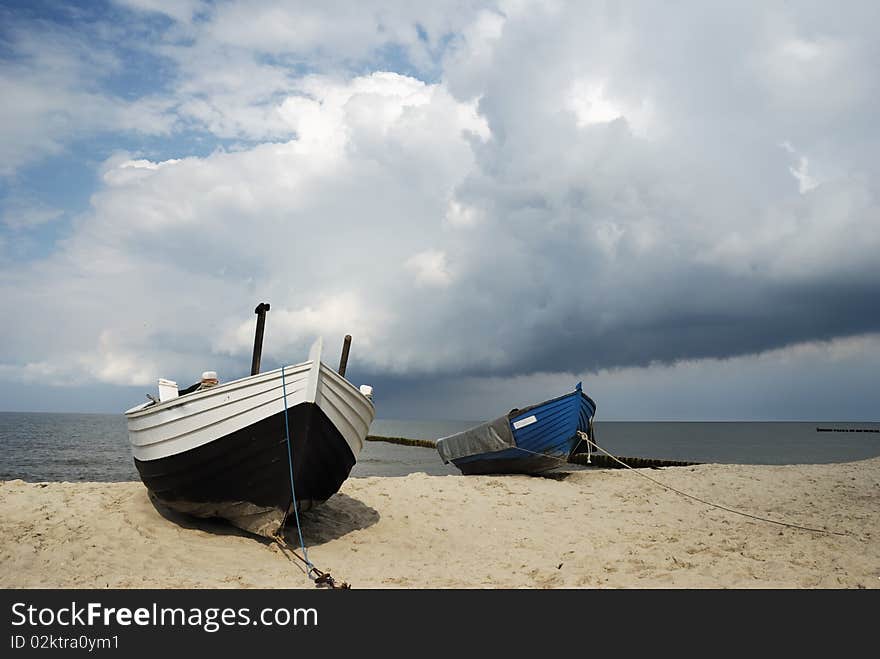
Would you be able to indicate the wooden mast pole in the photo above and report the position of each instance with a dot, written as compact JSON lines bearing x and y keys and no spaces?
{"x":261,"y":310}
{"x":343,"y":361}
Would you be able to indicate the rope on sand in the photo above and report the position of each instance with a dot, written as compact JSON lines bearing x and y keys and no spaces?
{"x":593,"y":445}
{"x":321,"y":579}
{"x":709,"y":503}
{"x":609,"y":461}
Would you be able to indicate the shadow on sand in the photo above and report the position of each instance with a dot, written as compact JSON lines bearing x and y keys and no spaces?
{"x":555,"y":475}
{"x":558,"y":474}
{"x":337,"y":517}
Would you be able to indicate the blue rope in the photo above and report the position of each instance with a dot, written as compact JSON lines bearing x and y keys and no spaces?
{"x":292,"y":489}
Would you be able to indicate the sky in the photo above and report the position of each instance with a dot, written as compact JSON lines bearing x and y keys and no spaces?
{"x":675,"y":203}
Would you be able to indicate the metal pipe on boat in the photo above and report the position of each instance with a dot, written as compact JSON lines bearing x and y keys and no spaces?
{"x":261,"y":310}
{"x":343,"y":361}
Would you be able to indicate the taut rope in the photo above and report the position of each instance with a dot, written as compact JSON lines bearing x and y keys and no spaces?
{"x":321,"y":579}
{"x":592,"y":444}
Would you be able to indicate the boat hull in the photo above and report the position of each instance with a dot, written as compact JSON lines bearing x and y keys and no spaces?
{"x":244,"y":477}
{"x":511,"y":461}
{"x":538,"y":438}
{"x":223,"y":451}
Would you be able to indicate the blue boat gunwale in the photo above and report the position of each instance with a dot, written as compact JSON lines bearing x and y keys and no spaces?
{"x":516,"y":412}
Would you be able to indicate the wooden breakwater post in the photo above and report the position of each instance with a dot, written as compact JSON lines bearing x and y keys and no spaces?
{"x":596,"y":459}
{"x":403,"y":441}
{"x":877,"y":430}
{"x":606,"y":462}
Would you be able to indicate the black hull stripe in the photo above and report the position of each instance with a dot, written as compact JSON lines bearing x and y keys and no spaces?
{"x":528,"y":465}
{"x":251,"y":465}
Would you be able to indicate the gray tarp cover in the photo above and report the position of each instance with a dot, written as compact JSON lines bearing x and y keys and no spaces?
{"x":485,"y":438}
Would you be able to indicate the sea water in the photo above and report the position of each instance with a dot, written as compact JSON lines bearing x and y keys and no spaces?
{"x":94,"y":447}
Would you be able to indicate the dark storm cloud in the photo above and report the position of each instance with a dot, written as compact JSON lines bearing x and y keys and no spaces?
{"x":584,"y":187}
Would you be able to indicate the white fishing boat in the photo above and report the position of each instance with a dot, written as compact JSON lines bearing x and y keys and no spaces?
{"x":237,"y":450}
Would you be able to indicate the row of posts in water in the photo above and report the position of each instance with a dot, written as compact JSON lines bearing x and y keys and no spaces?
{"x":877,"y":430}
{"x":595,"y":459}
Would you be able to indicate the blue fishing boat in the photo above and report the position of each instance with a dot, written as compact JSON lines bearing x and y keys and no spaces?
{"x":523,"y":441}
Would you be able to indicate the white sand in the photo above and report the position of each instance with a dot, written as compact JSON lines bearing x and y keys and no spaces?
{"x":590,"y":529}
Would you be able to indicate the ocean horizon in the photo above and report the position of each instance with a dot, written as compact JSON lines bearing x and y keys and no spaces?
{"x":50,"y":446}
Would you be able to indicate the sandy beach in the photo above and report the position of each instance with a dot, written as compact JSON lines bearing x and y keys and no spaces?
{"x":579,"y":529}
